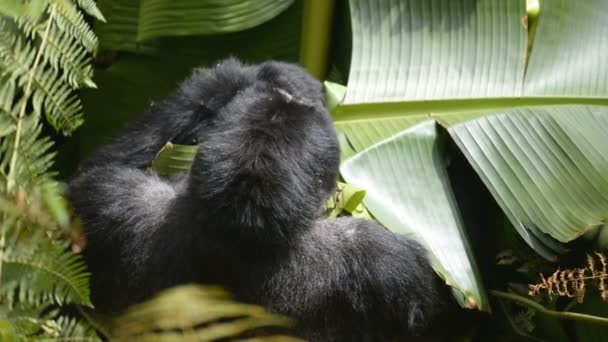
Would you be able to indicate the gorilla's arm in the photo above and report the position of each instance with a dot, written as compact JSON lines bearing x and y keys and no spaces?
{"x":122,"y":207}
{"x":179,"y":118}
{"x":374,"y":284}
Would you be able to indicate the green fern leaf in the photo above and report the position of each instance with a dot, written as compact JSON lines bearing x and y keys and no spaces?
{"x":41,"y":270}
{"x":36,"y":322}
{"x":90,"y":7}
{"x":62,"y":327}
{"x":8,"y":112}
{"x":20,"y":322}
{"x":62,"y":53}
{"x":72,"y":22}
{"x":35,"y":159}
{"x":43,"y":60}
{"x":50,"y":94}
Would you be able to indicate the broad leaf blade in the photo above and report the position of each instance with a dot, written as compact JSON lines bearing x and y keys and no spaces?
{"x":570,"y":50}
{"x":365,"y":124}
{"x":429,"y":49}
{"x":162,"y":18}
{"x":457,"y":60}
{"x":173,"y":159}
{"x":120,"y":30}
{"x":334,"y":94}
{"x":546,"y":167}
{"x":347,"y":198}
{"x":188,"y":312}
{"x":408,"y":190}
{"x":277,"y":38}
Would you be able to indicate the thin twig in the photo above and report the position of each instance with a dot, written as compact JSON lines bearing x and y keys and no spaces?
{"x":573,"y":316}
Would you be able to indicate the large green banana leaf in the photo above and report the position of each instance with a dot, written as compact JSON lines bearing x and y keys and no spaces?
{"x":458,"y":62}
{"x":133,"y":22}
{"x":547,"y":167}
{"x":161,"y":18}
{"x":393,"y":172}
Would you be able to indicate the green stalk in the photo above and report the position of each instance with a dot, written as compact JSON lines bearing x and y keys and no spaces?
{"x":10,"y":179}
{"x":10,"y":182}
{"x":573,"y":316}
{"x":316,"y":32}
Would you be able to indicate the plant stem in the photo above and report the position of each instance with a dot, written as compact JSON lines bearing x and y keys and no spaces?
{"x":573,"y":316}
{"x":10,"y":178}
{"x":316,"y":32}
{"x":10,"y":182}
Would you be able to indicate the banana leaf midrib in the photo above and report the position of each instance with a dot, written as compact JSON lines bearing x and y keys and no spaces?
{"x":346,"y":113}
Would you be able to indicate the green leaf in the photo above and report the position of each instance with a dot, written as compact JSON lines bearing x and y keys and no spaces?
{"x":29,"y":322}
{"x":120,"y":30}
{"x":15,"y":8}
{"x":90,"y":7}
{"x":173,"y":158}
{"x":34,"y":158}
{"x":547,"y":167}
{"x":162,"y":18}
{"x":72,"y":23}
{"x":421,"y":50}
{"x":408,"y":191}
{"x":40,"y":270}
{"x":569,"y":53}
{"x":131,"y":24}
{"x":421,"y":59}
{"x":188,"y":312}
{"x":346,"y":198}
{"x":334,"y":94}
{"x":446,"y":59}
{"x":50,"y":94}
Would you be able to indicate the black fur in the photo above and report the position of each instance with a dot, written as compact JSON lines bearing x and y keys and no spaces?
{"x":248,"y":215}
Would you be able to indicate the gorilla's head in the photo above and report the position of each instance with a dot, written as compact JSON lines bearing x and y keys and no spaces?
{"x":271,"y":154}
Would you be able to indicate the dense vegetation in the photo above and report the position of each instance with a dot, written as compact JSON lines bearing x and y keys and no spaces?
{"x":476,"y":126}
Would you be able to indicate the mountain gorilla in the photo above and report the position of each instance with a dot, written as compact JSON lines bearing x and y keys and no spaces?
{"x":248,"y":216}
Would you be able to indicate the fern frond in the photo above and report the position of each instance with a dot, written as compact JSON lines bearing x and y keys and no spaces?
{"x":571,"y":282}
{"x":63,"y":54}
{"x":90,"y":7}
{"x":21,"y":322}
{"x":72,"y":22}
{"x":35,"y":159}
{"x":42,"y":270}
{"x":61,"y":105}
{"x":35,"y":322}
{"x":62,"y":327}
{"x":43,"y":59}
{"x":8,"y":109}
{"x":49,"y":93}
{"x":43,"y":207}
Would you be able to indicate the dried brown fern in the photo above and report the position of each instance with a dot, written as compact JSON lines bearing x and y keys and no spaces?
{"x":572,"y":283}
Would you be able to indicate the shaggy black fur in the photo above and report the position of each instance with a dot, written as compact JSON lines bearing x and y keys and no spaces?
{"x":248,"y":215}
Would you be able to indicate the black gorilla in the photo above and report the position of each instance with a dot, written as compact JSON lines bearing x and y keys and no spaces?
{"x":248,"y":216}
